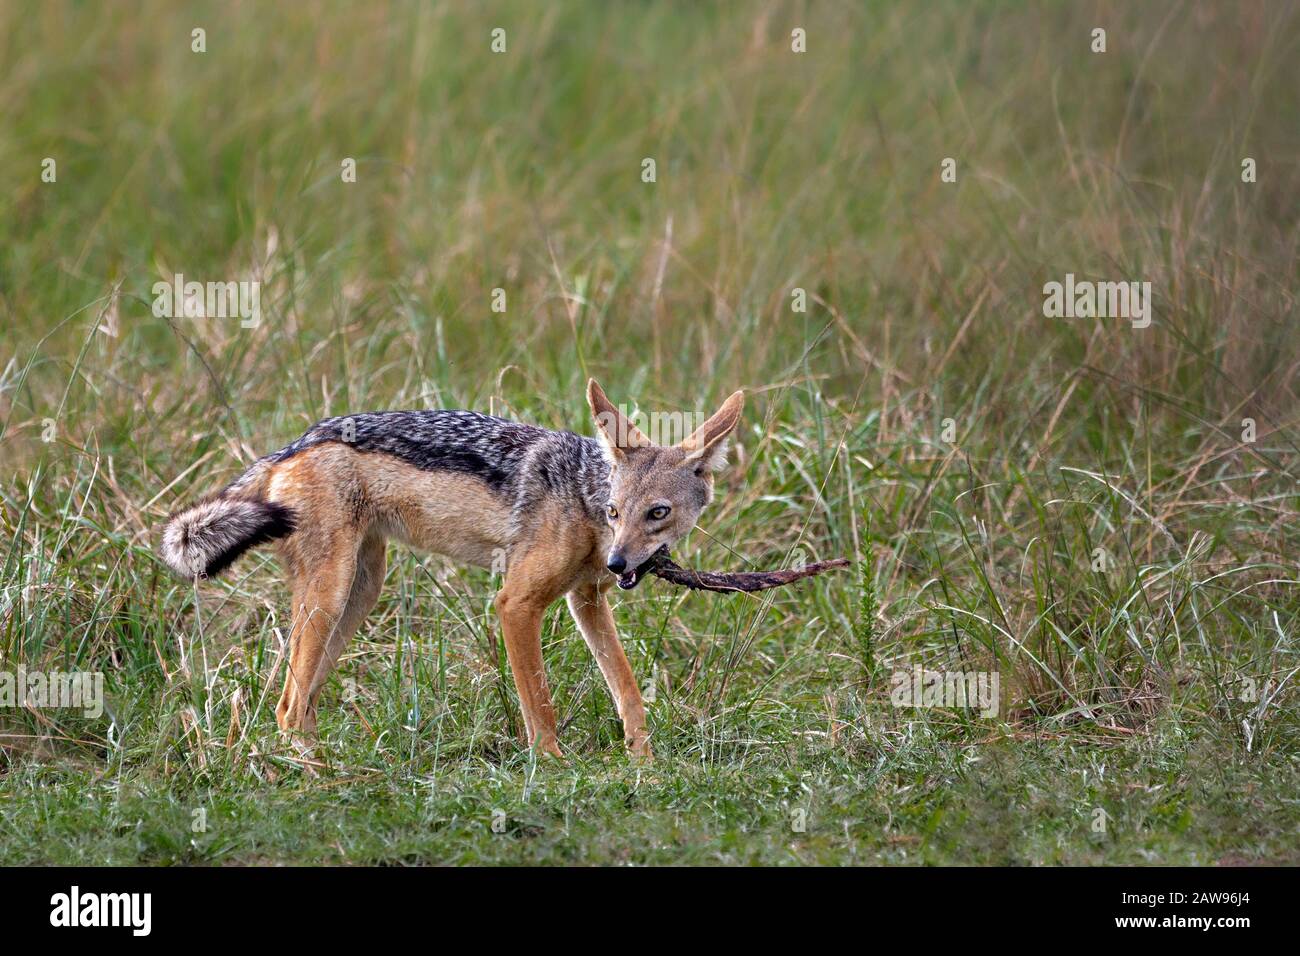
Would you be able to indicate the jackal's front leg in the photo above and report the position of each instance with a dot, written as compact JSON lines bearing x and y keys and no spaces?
{"x":521,"y":626}
{"x":595,"y":620}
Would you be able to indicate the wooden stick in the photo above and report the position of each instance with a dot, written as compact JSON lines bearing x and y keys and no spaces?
{"x":730,"y":581}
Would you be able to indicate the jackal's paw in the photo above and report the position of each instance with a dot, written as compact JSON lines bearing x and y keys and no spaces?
{"x":548,"y":749}
{"x":292,"y":718}
{"x":639,"y":748}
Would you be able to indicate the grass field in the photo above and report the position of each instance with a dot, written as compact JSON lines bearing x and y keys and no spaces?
{"x":1078,"y":505}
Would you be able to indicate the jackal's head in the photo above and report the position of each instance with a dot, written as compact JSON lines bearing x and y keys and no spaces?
{"x":656,"y":491}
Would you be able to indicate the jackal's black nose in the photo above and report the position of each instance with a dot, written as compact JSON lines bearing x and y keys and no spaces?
{"x":617,"y":563}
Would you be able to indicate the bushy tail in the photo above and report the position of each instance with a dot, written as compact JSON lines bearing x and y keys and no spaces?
{"x":206,"y":538}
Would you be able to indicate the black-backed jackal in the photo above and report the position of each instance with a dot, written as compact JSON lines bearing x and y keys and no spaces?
{"x":571,"y":515}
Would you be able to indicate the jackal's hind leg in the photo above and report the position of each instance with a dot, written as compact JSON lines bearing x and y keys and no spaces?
{"x":321,"y":596}
{"x":367,"y":582}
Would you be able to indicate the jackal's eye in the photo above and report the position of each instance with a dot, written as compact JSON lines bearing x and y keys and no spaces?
{"x":611,"y":511}
{"x":658,"y":513}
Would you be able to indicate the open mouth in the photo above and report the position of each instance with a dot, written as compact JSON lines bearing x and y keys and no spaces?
{"x":630,"y":579}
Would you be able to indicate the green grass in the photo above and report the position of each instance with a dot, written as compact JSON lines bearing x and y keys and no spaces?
{"x":1126,"y":689}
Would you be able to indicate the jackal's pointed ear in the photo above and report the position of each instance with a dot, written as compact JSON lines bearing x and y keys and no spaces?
{"x":707,"y":445}
{"x":615,"y":431}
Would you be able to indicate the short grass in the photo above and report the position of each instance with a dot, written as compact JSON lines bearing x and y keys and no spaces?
{"x":1075,"y":504}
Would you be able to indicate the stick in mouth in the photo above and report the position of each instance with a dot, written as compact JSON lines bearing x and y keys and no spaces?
{"x":662,"y":566}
